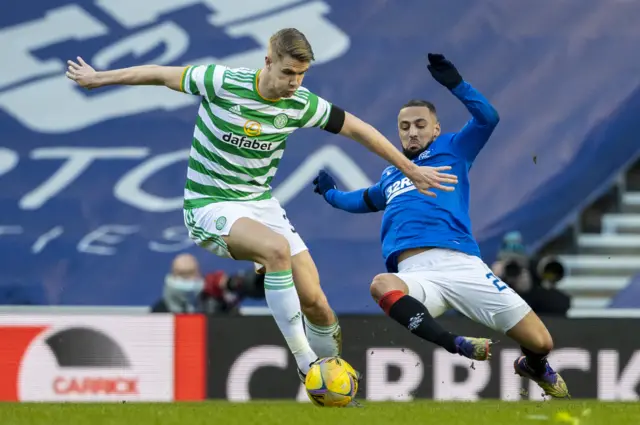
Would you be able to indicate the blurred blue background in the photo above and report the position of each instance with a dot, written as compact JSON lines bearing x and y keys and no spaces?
{"x":91,"y":182}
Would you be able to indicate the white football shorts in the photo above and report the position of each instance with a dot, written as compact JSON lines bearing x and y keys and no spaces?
{"x":443,"y":279}
{"x":207,"y":225}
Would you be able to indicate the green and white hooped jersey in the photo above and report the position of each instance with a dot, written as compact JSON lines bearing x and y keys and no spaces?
{"x":240,"y":136}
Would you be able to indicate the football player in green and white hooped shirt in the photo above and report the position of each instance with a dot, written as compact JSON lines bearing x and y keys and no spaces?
{"x":243,"y":122}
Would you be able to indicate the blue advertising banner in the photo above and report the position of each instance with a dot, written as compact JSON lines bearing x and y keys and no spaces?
{"x":91,"y":181}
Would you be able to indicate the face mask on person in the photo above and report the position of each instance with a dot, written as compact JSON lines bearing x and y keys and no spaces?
{"x":181,"y":294}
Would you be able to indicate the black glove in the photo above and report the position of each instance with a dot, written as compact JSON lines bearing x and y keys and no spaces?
{"x":323,"y":183}
{"x":443,"y":71}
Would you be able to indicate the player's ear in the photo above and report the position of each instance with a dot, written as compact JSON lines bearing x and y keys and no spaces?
{"x":436,"y":130}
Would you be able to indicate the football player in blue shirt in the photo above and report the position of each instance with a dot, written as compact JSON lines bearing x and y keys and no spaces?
{"x":432,"y":258}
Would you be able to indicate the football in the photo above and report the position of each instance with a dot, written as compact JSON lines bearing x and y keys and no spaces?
{"x":331,"y":382}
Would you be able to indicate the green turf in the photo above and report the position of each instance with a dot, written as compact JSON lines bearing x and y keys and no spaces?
{"x":282,"y":413}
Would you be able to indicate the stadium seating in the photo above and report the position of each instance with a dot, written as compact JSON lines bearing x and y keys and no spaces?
{"x":605,"y":261}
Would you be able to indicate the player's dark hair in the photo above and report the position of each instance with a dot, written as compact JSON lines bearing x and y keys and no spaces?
{"x":421,"y":103}
{"x":290,"y":41}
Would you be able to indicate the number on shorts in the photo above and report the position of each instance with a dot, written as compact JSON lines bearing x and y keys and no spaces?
{"x":290,"y":225}
{"x":500,"y":285}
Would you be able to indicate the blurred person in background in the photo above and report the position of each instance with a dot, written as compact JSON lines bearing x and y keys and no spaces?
{"x":187,"y":291}
{"x":182,"y":287}
{"x":544,"y":297}
{"x":535,"y":279}
{"x":512,"y":264}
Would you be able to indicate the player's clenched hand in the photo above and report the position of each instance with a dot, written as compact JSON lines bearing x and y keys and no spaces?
{"x":82,"y":73}
{"x":426,"y":178}
{"x":443,"y":71}
{"x":323,"y":183}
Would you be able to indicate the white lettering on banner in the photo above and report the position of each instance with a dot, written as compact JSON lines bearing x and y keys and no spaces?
{"x":8,"y":160}
{"x":329,"y":157}
{"x":614,"y":384}
{"x":95,"y":386}
{"x":180,"y":234}
{"x":445,"y":386}
{"x":129,"y":190}
{"x":245,"y":366}
{"x":110,"y":234}
{"x":176,"y":237}
{"x":81,"y":110}
{"x":225,"y":11}
{"x":327,"y":40}
{"x":144,"y":13}
{"x":78,"y":160}
{"x":43,"y":240}
{"x":60,"y":24}
{"x":380,"y":387}
{"x":11,"y":230}
{"x":174,"y":38}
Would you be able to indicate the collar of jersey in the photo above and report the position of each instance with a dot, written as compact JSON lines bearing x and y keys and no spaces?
{"x":255,"y":84}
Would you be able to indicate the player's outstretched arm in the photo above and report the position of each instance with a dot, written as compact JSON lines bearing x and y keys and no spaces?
{"x":484,"y":117}
{"x":150,"y":75}
{"x":424,"y":178}
{"x":359,"y":201}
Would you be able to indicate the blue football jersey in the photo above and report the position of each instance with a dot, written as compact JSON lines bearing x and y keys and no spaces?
{"x":414,"y":220}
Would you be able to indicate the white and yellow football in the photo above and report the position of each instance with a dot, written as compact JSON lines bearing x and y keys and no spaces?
{"x":331,"y":382}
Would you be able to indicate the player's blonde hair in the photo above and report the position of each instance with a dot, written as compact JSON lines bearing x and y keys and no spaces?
{"x":291,"y":42}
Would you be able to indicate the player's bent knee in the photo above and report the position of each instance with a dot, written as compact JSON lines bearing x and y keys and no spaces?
{"x":276,"y":253}
{"x":383,"y":283}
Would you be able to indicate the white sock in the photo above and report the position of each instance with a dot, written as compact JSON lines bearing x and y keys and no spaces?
{"x":284,"y":304}
{"x":326,"y":341}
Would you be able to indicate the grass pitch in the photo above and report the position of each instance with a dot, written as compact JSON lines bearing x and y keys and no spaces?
{"x":282,"y":413}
